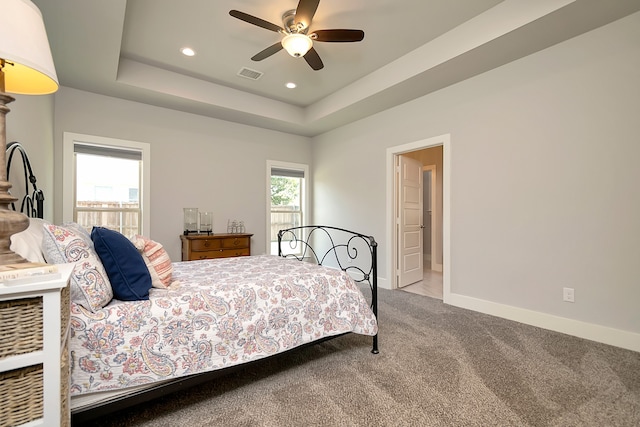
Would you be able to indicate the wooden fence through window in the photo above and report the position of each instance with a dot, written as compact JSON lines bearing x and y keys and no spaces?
{"x":281,"y":220}
{"x":119,"y":216}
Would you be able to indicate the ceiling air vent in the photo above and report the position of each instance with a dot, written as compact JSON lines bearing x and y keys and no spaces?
{"x":248,"y":73}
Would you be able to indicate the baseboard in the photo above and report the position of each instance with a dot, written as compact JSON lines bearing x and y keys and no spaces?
{"x":590,"y":331}
{"x":384,"y":283}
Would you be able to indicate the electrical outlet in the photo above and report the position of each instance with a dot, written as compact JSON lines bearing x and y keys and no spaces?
{"x":568,"y":295}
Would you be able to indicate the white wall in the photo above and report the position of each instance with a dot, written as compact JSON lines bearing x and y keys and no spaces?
{"x":544,"y":183}
{"x":196,"y":161}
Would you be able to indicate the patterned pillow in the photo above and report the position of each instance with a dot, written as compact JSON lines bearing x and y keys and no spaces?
{"x":79,"y":231}
{"x":89,"y":282}
{"x":157,"y":258}
{"x":155,"y":279}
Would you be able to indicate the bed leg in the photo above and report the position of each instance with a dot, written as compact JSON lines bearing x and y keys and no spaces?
{"x":375,"y":350}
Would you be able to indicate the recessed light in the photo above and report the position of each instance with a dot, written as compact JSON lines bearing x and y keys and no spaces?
{"x":291,"y":85}
{"x":187,"y":51}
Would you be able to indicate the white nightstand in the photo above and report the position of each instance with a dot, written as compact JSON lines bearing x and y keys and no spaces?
{"x":34,"y":352}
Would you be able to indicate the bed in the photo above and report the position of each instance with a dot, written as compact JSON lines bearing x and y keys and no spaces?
{"x":213,"y":316}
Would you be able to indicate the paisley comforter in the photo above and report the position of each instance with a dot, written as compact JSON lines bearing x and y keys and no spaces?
{"x":225,"y":312}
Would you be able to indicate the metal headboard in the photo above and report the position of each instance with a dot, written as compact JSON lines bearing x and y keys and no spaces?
{"x":352,"y":252}
{"x":32,"y":204}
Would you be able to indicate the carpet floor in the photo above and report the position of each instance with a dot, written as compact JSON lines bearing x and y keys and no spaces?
{"x":438,"y":366}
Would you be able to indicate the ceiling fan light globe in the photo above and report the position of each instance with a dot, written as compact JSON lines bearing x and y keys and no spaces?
{"x":297,"y":45}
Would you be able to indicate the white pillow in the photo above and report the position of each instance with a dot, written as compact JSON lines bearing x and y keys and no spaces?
{"x":28,"y":243}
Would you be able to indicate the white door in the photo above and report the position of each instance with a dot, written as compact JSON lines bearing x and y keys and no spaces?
{"x":409,"y":221}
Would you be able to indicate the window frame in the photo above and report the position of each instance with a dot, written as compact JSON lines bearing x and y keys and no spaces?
{"x":306,"y":195}
{"x":69,"y":173}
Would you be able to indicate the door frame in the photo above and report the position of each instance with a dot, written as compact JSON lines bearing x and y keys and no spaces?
{"x":391,"y":203}
{"x":434,"y":214}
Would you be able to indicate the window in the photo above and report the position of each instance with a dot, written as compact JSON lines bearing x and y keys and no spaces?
{"x":287,"y":199}
{"x":105,"y":183}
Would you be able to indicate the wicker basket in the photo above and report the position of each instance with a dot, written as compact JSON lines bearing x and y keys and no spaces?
{"x":20,"y":326}
{"x":65,"y":311}
{"x":21,"y":395}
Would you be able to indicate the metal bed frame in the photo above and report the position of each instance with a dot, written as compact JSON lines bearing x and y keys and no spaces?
{"x":352,"y":252}
{"x":32,"y":204}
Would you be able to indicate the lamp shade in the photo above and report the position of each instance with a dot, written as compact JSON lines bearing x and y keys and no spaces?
{"x":25,"y":49}
{"x":297,"y":44}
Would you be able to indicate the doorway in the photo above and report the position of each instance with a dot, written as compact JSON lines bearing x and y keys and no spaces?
{"x":439,"y":242}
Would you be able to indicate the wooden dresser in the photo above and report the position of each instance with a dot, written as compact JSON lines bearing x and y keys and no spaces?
{"x":203,"y":246}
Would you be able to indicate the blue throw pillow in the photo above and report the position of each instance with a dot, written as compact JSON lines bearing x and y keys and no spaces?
{"x":127,"y":271}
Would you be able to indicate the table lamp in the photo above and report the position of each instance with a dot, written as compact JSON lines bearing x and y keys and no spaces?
{"x":26,"y":67}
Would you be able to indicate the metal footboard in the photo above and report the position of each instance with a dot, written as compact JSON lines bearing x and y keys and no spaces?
{"x":352,"y":252}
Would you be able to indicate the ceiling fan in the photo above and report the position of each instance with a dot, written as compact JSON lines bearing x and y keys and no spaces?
{"x":297,"y":40}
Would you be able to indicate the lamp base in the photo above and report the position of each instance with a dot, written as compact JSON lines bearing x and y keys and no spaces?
{"x":11,"y":222}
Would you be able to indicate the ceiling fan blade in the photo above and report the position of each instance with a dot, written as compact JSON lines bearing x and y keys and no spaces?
{"x":274,"y":48}
{"x":255,"y":21}
{"x":313,"y":59}
{"x":338,"y":35}
{"x":305,"y":11}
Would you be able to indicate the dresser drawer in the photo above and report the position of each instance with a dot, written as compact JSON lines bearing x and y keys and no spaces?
{"x":220,"y":253}
{"x":205,"y":254}
{"x":235,"y":242}
{"x":226,"y":253}
{"x":205,"y":244}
